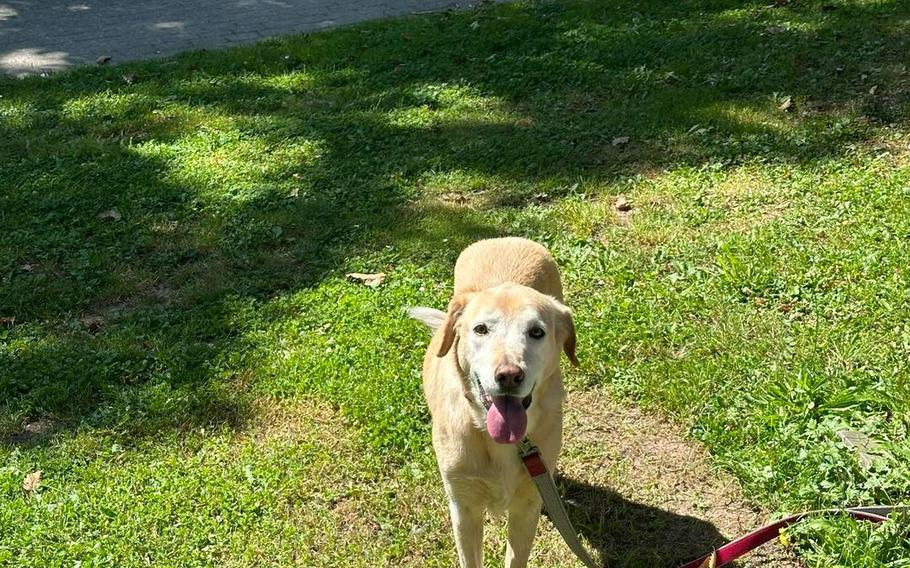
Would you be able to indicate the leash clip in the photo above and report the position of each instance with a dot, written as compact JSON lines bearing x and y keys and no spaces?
{"x":530,"y":457}
{"x":526,"y":448}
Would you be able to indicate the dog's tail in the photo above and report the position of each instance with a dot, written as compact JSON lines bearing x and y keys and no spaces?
{"x":433,"y":318}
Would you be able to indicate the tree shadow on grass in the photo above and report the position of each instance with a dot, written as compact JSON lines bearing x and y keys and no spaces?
{"x":246,"y":175}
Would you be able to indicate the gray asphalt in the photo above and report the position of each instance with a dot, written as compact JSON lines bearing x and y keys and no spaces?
{"x":39,"y":36}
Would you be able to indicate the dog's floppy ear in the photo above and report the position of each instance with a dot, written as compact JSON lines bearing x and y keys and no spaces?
{"x":567,"y":330}
{"x":456,"y":307}
{"x":430,"y":317}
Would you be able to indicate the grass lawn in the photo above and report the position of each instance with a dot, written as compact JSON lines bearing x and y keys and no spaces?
{"x":201,"y":386}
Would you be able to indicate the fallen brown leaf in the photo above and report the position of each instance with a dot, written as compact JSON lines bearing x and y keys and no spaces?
{"x":92,"y":323}
{"x":622,"y":204}
{"x":873,"y":89}
{"x":111,"y":214}
{"x":40,"y":426}
{"x":786,"y":104}
{"x":455,"y":198}
{"x":371,"y":280}
{"x":32,"y":481}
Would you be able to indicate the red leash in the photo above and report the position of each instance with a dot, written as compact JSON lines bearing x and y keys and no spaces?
{"x":741,"y":546}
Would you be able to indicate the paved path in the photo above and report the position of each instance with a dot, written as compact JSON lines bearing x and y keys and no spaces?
{"x":51,"y":35}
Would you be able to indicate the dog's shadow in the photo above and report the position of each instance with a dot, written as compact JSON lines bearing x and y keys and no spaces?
{"x":629,"y":534}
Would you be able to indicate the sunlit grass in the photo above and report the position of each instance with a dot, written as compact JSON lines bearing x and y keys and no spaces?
{"x":175,"y":247}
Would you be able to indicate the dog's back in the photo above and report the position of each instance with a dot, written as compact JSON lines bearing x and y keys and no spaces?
{"x":491,"y":262}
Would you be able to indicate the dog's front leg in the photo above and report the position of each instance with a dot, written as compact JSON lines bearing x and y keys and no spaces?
{"x":524,"y":512}
{"x":467,"y":522}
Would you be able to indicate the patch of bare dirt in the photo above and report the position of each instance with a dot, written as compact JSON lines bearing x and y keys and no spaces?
{"x":646,"y":495}
{"x":289,"y":421}
{"x":32,"y":432}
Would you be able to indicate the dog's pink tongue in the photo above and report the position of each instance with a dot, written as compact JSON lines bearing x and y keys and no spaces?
{"x":507,"y":420}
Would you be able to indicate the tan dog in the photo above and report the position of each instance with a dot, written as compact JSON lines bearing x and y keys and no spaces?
{"x":500,"y":341}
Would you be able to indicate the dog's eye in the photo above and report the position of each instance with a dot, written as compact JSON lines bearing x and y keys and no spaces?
{"x":536,"y":332}
{"x":481,"y":329}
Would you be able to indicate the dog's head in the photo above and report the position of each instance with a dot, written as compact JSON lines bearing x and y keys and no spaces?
{"x":508,"y":339}
{"x":509,"y":336}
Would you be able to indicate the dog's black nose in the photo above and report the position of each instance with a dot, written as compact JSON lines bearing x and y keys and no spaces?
{"x":509,"y":375}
